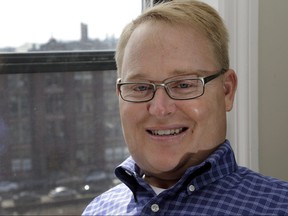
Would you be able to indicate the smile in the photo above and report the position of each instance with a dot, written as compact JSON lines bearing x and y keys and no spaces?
{"x":167,"y":132}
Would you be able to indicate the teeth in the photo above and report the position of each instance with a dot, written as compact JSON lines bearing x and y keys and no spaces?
{"x":167,"y":132}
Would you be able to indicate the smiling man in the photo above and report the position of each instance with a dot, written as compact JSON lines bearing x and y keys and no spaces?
{"x":175,"y":88}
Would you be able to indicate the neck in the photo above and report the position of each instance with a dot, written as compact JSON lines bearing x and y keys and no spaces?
{"x":160,"y":182}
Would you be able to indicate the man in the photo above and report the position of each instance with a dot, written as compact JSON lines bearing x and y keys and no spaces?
{"x":174,"y":89}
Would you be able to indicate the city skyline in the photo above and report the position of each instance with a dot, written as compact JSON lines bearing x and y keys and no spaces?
{"x":36,"y":24}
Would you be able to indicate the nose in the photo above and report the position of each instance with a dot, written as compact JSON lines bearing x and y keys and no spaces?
{"x":161,"y":105}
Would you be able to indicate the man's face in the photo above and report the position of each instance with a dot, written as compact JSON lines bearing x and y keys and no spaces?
{"x":155,"y":52}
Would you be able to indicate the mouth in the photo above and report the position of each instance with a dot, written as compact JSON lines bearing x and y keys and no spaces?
{"x":170,"y":132}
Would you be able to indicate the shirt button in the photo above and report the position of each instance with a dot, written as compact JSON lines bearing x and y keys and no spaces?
{"x":191,"y":188}
{"x":155,"y":208}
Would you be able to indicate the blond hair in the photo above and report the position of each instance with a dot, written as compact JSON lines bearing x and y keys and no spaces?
{"x":188,"y":12}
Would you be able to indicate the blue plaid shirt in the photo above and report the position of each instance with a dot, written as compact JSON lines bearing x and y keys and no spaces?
{"x":218,"y":186}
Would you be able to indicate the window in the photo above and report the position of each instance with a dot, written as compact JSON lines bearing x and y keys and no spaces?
{"x":57,"y":127}
{"x":59,"y":123}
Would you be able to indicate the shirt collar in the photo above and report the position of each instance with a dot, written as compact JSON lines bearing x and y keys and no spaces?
{"x":219,"y":164}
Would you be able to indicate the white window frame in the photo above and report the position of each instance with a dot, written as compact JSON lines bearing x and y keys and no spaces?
{"x":241,"y":18}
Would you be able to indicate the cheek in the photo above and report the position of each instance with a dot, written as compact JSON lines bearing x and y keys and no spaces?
{"x":205,"y":113}
{"x":212,"y":116}
{"x":196,"y":110}
{"x":129,"y":111}
{"x":131,"y":117}
{"x":125,"y":116}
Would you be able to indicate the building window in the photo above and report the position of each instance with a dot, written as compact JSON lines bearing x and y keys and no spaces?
{"x":21,"y":165}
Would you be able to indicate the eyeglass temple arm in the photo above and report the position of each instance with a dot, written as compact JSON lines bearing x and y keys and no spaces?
{"x":209,"y":78}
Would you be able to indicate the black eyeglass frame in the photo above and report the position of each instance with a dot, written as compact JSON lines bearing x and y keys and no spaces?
{"x":204,"y":80}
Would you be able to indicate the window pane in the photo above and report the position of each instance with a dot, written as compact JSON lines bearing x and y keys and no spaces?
{"x":33,"y":25}
{"x":58,"y":129}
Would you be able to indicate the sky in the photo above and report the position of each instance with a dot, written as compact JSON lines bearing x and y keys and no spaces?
{"x":36,"y":21}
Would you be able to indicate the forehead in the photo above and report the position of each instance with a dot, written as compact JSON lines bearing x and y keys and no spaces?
{"x":158,"y":50}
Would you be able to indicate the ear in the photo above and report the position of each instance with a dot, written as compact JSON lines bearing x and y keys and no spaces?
{"x":116,"y":88}
{"x":230,"y":85}
{"x":117,"y":92}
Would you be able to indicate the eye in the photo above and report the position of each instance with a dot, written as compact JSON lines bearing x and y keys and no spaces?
{"x":136,"y":88}
{"x":184,"y":84}
{"x":141,"y":87}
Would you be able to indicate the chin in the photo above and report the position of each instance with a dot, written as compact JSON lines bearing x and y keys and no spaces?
{"x":164,"y":166}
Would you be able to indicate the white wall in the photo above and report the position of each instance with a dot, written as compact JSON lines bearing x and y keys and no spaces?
{"x":273,"y":88}
{"x":213,"y":3}
{"x":241,"y":18}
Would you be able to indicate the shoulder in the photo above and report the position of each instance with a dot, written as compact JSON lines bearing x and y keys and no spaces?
{"x":255,"y":177}
{"x":261,"y":185}
{"x":109,"y":201}
{"x":253,"y":192}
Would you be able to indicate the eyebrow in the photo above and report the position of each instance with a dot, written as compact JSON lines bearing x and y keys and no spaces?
{"x":172,"y":74}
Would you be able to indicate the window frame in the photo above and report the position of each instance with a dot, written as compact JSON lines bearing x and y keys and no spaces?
{"x":48,"y":62}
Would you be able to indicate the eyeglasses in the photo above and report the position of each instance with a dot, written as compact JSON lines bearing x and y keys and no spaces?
{"x":184,"y":87}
